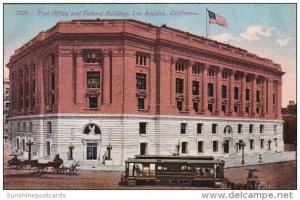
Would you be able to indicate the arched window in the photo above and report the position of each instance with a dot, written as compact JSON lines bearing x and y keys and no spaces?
{"x":91,"y":129}
{"x":227,"y":129}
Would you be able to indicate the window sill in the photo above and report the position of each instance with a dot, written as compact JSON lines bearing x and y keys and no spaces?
{"x":91,"y":64}
{"x":183,"y":111}
{"x":92,"y":109}
{"x":143,"y":110}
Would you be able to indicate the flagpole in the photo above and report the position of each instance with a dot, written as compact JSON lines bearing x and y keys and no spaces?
{"x":206,"y":22}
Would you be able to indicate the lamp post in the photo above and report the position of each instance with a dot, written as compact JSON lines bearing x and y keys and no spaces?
{"x":29,"y":143}
{"x":109,"y":147}
{"x":71,"y":148}
{"x":178,"y":147}
{"x":242,"y":144}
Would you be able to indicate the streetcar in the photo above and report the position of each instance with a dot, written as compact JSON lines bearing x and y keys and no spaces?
{"x":152,"y":169}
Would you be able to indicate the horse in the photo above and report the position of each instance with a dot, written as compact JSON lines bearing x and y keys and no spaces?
{"x":72,"y":169}
{"x":69,"y":169}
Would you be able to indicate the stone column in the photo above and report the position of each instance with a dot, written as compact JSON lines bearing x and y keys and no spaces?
{"x":172,"y":85}
{"x":189,"y":88}
{"x":219,"y":90}
{"x":270,"y":97}
{"x":264,"y":95}
{"x":106,"y":78}
{"x":204,"y":88}
{"x":243,"y":94}
{"x":253,"y":95}
{"x":231,"y":92}
{"x":279,"y":99}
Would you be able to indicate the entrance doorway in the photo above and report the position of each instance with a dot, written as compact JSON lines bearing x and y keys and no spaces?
{"x":91,"y":151}
{"x":226,"y":146}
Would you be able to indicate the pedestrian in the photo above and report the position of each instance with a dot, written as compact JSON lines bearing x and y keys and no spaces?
{"x":138,"y":170}
{"x":260,"y":158}
{"x":133,"y":169}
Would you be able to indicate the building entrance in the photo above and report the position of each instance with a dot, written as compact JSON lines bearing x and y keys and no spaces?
{"x":91,"y":151}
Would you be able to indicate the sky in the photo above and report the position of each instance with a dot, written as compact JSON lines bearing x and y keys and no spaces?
{"x":268,"y":30}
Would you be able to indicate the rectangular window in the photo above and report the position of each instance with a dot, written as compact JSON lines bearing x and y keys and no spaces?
{"x":247,"y":109}
{"x":49,"y":124}
{"x":52,"y":81}
{"x":214,"y":128}
{"x":224,"y":74}
{"x":210,"y":107}
{"x":240,"y":127}
{"x":235,"y":109}
{"x":240,"y":142}
{"x":140,"y":81}
{"x":196,"y":106}
{"x":257,"y":96}
{"x":92,"y":57}
{"x":247,"y":95}
{"x":224,"y":108}
{"x":48,"y":148}
{"x":179,"y":105}
{"x":93,"y":102}
{"x":23,"y":145}
{"x":274,"y":101}
{"x":200,"y":146}
{"x":195,"y":87}
{"x":257,"y":110}
{"x":236,"y":93}
{"x":199,"y":128}
{"x":179,"y":66}
{"x":251,"y":144}
{"x":183,"y":127}
{"x":184,"y":147}
{"x":210,"y":89}
{"x":142,"y":127}
{"x":251,"y":128}
{"x":248,"y":79}
{"x":196,"y":69}
{"x":143,"y":148}
{"x":261,"y":128}
{"x":141,"y":59}
{"x":93,"y":79}
{"x":224,"y":91}
{"x":141,"y":103}
{"x":33,"y":86}
{"x":262,"y":143}
{"x":179,"y":85}
{"x":215,"y":146}
{"x":30,"y":127}
{"x":275,"y":129}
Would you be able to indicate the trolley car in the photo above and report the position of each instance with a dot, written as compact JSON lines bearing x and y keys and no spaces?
{"x":151,"y":169}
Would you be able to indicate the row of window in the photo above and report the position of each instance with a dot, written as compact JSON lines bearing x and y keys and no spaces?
{"x":214,"y":127}
{"x":30,"y":125}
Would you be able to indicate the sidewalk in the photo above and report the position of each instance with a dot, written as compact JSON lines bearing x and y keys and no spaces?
{"x":229,"y":162}
{"x":266,"y":158}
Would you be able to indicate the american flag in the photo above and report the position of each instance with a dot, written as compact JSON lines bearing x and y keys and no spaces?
{"x":216,"y":19}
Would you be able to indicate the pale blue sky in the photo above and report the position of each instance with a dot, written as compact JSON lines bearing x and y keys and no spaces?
{"x":268,"y":30}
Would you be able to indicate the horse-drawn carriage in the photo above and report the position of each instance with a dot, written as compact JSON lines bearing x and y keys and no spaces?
{"x":57,"y":166}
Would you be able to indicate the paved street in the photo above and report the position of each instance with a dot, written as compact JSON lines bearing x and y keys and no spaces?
{"x":107,"y":177}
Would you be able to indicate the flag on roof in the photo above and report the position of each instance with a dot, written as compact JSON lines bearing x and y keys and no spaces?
{"x":216,"y":19}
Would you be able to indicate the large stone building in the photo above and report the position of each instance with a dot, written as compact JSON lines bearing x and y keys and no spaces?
{"x":143,"y":89}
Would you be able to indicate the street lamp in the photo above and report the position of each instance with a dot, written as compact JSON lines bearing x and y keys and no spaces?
{"x":269,"y":146}
{"x":71,"y":148}
{"x":178,"y":147}
{"x":29,"y":143}
{"x":109,"y":147}
{"x":242,"y":144}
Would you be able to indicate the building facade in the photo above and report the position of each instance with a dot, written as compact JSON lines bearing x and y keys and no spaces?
{"x":143,"y":89}
{"x":5,"y":110}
